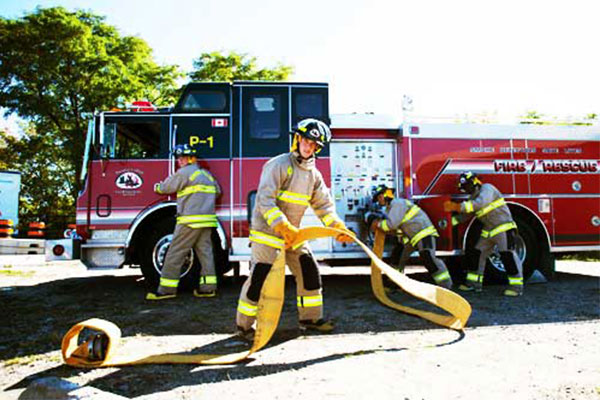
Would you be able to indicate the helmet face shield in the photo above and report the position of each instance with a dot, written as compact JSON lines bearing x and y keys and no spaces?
{"x":467,"y":181}
{"x":462,"y":184}
{"x":183,"y":150}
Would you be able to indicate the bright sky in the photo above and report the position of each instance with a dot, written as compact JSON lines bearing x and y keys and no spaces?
{"x":452,"y":57}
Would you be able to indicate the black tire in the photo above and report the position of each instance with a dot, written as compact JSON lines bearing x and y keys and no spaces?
{"x":153,"y":251}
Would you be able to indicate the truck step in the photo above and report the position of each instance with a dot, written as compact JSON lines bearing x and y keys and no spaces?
{"x":97,"y":244}
{"x":21,"y":246}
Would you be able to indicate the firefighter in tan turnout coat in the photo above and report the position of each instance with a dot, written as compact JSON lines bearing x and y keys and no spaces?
{"x":289,"y":184}
{"x":415,"y":230}
{"x":499,"y":230}
{"x":197,"y":191}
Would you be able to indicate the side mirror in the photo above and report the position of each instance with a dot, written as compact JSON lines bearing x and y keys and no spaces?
{"x":104,"y":151}
{"x":108,"y":141}
{"x":250,"y":202}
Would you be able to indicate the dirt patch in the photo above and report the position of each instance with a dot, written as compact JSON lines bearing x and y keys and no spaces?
{"x":543,"y":345}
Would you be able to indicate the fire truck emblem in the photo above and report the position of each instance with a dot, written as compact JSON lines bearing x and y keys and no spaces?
{"x":129,"y":180}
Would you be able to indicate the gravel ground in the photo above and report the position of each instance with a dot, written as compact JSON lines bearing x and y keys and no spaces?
{"x":544,"y":345}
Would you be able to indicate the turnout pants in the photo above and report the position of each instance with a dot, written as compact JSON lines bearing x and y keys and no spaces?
{"x":505,"y":243}
{"x":184,"y":239}
{"x":303,"y":266}
{"x":436,"y":267}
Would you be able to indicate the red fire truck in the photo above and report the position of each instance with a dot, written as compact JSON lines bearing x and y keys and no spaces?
{"x":549,"y":174}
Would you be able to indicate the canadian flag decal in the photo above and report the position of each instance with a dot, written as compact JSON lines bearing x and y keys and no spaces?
{"x":219,"y":122}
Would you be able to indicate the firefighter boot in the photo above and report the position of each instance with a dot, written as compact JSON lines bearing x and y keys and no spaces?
{"x":515,"y":275}
{"x":319,"y":325}
{"x":446,"y":283}
{"x":245,"y":335}
{"x":471,"y":287}
{"x":203,"y":293}
{"x":515,"y":286}
{"x":436,"y":268}
{"x":160,"y":296}
{"x":474,"y":282}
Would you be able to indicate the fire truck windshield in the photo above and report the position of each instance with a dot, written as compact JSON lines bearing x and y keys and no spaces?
{"x":132,"y":139}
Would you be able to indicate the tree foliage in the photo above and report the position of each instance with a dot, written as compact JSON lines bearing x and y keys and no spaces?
{"x":533,"y":117}
{"x":46,"y":175}
{"x":218,"y":67}
{"x":56,"y":68}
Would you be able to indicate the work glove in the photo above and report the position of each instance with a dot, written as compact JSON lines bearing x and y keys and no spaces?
{"x":288,"y":231}
{"x":372,"y":219}
{"x":450,"y":206}
{"x":157,"y":188}
{"x":344,"y":237}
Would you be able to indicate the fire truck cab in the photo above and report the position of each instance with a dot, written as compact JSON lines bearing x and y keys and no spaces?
{"x":235,"y":127}
{"x":550,"y":175}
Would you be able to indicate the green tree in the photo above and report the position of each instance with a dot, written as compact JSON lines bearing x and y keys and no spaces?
{"x":56,"y":68}
{"x":217,"y":67}
{"x":533,"y":117}
{"x":46,"y":176}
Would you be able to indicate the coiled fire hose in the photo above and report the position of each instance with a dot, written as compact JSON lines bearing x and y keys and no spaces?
{"x":101,"y":348}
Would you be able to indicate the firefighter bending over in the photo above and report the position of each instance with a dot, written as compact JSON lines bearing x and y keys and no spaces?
{"x":197,"y":191}
{"x":499,"y":230}
{"x":414,"y":228}
{"x":289,"y":184}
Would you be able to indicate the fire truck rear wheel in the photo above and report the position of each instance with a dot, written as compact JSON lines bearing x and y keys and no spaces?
{"x":153,"y":254}
{"x":528,"y":250}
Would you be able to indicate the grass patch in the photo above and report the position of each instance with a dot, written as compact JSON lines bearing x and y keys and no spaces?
{"x":583,"y":256}
{"x":29,"y":359}
{"x":10,"y":272}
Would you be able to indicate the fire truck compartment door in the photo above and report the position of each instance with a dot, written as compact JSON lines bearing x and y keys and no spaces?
{"x":356,"y":167}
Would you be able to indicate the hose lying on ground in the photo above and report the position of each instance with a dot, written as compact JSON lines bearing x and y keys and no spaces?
{"x":100,"y":349}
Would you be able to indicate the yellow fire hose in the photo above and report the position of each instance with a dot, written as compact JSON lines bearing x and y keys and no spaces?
{"x":270,"y":304}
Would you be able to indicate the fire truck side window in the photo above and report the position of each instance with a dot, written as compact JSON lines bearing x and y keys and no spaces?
{"x":265,"y":117}
{"x":205,"y":101}
{"x":309,"y":103}
{"x":132,"y":140}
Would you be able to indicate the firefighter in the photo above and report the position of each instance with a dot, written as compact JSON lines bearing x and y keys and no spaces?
{"x":289,"y":184}
{"x":499,"y":230}
{"x":414,"y":228}
{"x":197,"y":191}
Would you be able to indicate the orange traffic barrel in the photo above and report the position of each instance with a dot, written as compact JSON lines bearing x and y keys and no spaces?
{"x":36,"y":229}
{"x":7,"y":228}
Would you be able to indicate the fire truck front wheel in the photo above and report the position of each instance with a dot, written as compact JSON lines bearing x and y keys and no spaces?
{"x":153,"y":255}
